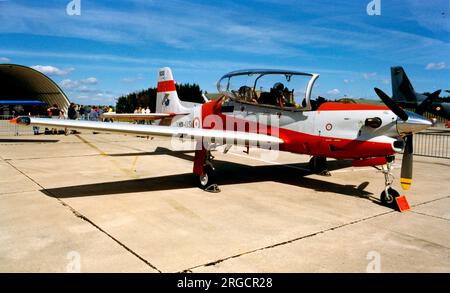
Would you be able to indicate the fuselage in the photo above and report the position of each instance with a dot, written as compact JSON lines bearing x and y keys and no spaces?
{"x":334,"y":130}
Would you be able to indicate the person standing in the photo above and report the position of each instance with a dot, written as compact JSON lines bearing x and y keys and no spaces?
{"x":55,"y":113}
{"x":93,"y":115}
{"x":82,"y":112}
{"x":99,"y":113}
{"x":72,"y":112}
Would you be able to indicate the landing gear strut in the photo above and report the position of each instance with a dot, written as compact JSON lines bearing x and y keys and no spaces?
{"x":389,"y":194}
{"x":204,"y":170}
{"x":318,"y":165}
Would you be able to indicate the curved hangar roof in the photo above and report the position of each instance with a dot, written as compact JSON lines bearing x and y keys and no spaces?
{"x":19,"y":82}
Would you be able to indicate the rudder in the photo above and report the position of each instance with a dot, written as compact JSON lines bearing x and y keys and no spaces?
{"x":167,"y":100}
{"x":402,"y":89}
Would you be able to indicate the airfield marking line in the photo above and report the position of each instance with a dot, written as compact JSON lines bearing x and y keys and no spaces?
{"x":83,"y":217}
{"x":437,"y":217}
{"x":102,"y":153}
{"x":213,"y":263}
{"x":133,"y":165}
{"x":429,"y":201}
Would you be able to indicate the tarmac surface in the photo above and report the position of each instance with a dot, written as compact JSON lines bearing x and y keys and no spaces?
{"x":115,"y":203}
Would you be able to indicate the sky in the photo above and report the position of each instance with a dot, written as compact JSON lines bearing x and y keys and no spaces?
{"x":116,"y":47}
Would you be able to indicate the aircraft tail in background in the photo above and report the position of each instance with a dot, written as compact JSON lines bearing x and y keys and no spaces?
{"x":402,"y":89}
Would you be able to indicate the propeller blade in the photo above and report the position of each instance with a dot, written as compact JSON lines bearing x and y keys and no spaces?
{"x":391,"y":104}
{"x":407,"y":163}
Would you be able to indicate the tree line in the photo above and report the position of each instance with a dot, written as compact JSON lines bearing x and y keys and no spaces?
{"x":147,"y":98}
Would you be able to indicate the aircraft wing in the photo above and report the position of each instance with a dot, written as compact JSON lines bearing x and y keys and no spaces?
{"x":135,"y":116}
{"x":141,"y":129}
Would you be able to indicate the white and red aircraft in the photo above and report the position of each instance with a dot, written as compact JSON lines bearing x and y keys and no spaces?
{"x":273,"y":109}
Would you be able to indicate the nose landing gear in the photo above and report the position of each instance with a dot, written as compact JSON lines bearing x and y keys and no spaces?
{"x":389,"y":195}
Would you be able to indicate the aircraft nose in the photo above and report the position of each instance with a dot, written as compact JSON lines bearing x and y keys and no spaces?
{"x":413,"y":124}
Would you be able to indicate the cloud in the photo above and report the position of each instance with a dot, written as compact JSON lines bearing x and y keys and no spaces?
{"x":89,"y":80}
{"x":84,"y":91}
{"x":432,"y":14}
{"x":347,"y":81}
{"x":68,"y":84}
{"x":78,"y":85}
{"x":153,"y":29}
{"x":193,"y":26}
{"x":51,"y":70}
{"x":4,"y":60}
{"x":132,"y":79}
{"x":95,"y":97}
{"x":334,"y":92}
{"x":435,"y":66}
{"x":369,"y":75}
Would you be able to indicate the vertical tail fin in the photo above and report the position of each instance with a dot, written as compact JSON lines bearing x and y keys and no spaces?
{"x":167,"y":100}
{"x":402,"y":89}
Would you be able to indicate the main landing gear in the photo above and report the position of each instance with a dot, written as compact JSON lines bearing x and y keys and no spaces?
{"x":204,"y":170}
{"x":318,"y":165}
{"x":389,"y":194}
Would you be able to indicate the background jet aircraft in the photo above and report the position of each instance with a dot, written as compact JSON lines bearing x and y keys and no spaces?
{"x":405,"y":96}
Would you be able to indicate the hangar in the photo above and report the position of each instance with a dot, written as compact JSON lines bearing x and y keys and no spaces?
{"x":18,"y":82}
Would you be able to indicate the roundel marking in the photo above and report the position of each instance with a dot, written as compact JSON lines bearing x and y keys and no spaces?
{"x":196,"y":122}
{"x":329,"y":126}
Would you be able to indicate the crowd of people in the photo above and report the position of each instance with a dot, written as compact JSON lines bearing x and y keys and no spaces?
{"x":92,"y":113}
{"x":76,"y":112}
{"x":142,"y":110}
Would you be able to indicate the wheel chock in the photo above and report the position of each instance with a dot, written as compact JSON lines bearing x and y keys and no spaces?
{"x":402,"y":203}
{"x":214,"y":188}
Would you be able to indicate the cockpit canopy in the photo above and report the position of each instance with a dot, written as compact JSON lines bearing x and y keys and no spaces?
{"x":272,"y":88}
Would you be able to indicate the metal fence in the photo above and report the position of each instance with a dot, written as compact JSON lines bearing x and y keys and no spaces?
{"x":9,"y":129}
{"x":432,"y":143}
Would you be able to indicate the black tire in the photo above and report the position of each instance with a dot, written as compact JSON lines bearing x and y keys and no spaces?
{"x":317,"y":164}
{"x":204,"y":181}
{"x":389,"y":199}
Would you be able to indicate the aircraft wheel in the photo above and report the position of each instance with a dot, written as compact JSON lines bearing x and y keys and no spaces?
{"x":207,"y":179}
{"x":318,"y":165}
{"x":389,"y":199}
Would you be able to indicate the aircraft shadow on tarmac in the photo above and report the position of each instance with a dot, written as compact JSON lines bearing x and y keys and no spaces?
{"x":227,"y":173}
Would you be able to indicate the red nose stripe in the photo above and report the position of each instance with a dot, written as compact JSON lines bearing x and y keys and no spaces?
{"x":166,"y":86}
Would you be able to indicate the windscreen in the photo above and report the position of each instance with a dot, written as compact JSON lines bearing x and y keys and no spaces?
{"x":273,"y":89}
